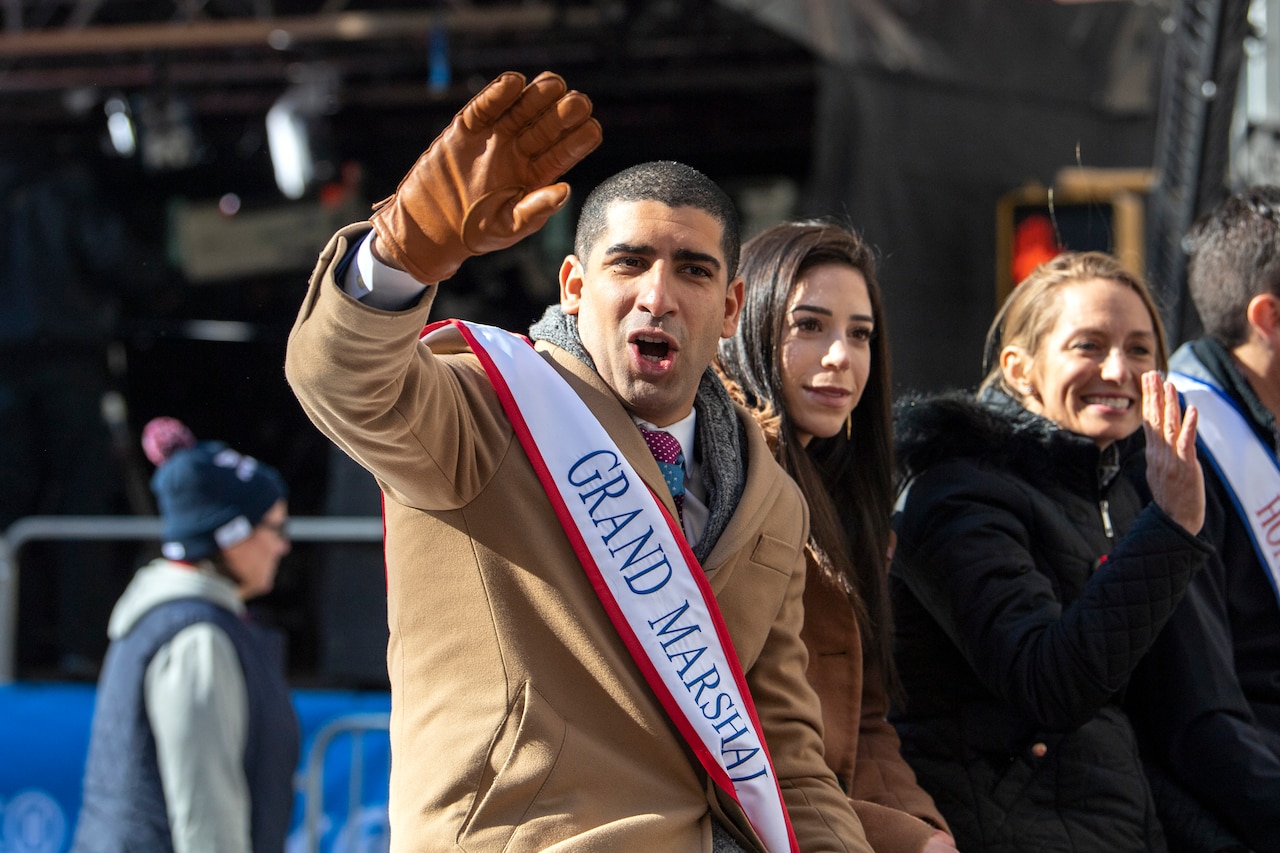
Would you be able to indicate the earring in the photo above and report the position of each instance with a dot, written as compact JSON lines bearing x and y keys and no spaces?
{"x":848,"y":426}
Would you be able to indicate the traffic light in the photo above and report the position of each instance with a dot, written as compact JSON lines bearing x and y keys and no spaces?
{"x":1085,"y":210}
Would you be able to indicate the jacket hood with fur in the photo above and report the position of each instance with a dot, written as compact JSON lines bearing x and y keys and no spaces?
{"x":995,"y":429}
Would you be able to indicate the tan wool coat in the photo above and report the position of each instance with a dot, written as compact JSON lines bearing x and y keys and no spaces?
{"x":519,"y":721}
{"x":862,"y":747}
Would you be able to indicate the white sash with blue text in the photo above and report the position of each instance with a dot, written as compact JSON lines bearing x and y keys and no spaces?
{"x":1246,"y":465}
{"x":640,"y":565}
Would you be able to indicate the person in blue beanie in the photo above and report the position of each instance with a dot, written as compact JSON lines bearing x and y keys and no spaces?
{"x":195,"y":740}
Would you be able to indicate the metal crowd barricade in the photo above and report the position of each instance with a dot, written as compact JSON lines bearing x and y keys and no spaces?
{"x":313,"y":776}
{"x":130,"y":529}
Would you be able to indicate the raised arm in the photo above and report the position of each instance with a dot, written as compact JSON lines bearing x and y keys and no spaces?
{"x":359,"y":372}
{"x":968,"y":551}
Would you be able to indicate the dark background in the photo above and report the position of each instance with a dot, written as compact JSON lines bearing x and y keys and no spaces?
{"x":910,"y":118}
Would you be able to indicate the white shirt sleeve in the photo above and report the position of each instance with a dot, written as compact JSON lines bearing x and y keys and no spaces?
{"x":378,"y":285}
{"x":198,"y":707}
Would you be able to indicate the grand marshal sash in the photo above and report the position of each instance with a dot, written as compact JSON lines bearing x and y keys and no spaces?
{"x":1247,"y":467}
{"x":642,"y":569}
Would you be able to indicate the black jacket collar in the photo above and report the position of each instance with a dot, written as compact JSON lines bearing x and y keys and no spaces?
{"x":995,"y":429}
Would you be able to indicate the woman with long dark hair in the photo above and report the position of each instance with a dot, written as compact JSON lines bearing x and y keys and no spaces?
{"x":811,"y":359}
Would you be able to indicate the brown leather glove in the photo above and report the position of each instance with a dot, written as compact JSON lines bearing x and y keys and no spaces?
{"x":484,"y":183}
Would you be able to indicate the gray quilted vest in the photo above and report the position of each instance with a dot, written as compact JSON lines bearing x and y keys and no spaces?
{"x":123,"y":807}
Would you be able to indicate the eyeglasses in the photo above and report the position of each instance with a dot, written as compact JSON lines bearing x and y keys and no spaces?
{"x":280,"y":529}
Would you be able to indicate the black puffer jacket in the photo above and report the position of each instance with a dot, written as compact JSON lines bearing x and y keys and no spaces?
{"x":1025,"y":593}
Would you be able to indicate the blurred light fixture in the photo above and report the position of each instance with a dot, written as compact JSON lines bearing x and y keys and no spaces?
{"x":293,"y":127}
{"x":290,"y":148}
{"x":168,"y":138}
{"x":124,"y":139}
{"x":79,"y":100}
{"x":229,"y":204}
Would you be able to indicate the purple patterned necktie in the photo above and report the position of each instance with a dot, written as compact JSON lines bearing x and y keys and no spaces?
{"x":666,"y":450}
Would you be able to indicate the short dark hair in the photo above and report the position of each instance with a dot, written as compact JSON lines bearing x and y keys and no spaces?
{"x":1234,"y":255}
{"x":671,"y":183}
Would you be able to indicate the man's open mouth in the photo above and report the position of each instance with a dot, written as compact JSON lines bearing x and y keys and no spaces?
{"x":652,"y":348}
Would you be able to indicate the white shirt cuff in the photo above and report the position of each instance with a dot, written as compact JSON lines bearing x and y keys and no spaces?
{"x":378,"y":285}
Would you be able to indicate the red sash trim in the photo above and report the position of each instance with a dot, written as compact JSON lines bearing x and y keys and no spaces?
{"x":766,"y":811}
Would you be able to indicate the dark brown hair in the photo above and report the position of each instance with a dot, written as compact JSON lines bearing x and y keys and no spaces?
{"x":1235,"y":256}
{"x":846,"y":479}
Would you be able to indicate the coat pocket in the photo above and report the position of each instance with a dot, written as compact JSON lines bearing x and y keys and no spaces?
{"x":752,"y":595}
{"x":523,"y":754}
{"x":1023,"y":794}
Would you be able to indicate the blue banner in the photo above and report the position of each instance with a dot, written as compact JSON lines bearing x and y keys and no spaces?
{"x":44,"y":737}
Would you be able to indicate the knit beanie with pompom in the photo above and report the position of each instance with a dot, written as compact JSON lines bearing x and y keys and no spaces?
{"x":210,"y":496}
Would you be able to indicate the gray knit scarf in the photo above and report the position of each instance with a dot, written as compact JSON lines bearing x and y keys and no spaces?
{"x":720,"y":436}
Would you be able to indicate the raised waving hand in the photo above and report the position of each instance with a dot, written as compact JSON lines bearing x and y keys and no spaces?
{"x":1173,"y":471}
{"x":486,"y":182}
